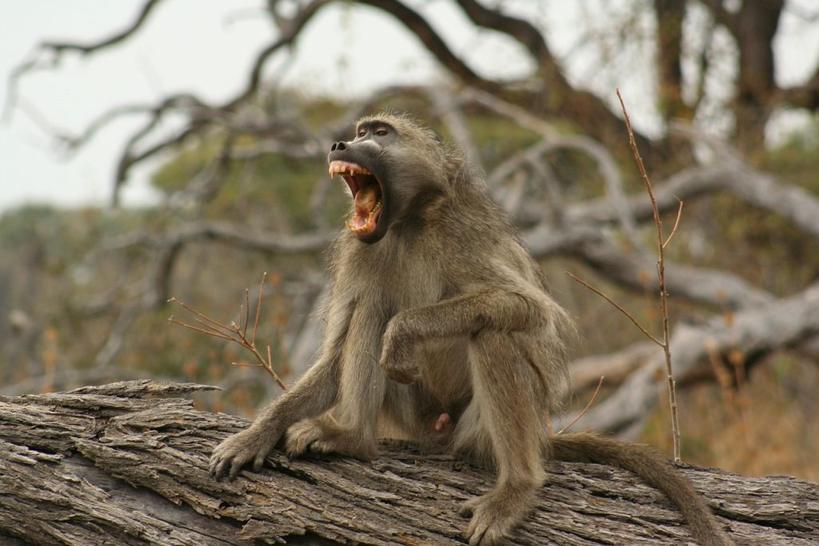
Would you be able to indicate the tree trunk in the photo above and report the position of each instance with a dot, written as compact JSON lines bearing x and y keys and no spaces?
{"x":756,"y":24}
{"x":117,"y":464}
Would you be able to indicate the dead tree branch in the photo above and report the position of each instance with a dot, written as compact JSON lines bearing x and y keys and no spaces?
{"x":762,"y":329}
{"x":127,"y":463}
{"x":49,"y":53}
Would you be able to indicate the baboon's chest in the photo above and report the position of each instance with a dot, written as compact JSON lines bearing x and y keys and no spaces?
{"x":393,"y":276}
{"x":408,"y":281}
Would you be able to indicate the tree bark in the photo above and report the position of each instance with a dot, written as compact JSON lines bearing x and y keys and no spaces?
{"x":124,"y":464}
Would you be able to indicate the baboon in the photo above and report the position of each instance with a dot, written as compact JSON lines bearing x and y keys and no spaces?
{"x":440,"y":327}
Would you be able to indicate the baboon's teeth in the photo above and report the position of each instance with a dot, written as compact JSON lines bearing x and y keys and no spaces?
{"x":345,"y":167}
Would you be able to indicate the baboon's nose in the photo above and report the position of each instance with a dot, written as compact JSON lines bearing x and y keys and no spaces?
{"x":338,"y":146}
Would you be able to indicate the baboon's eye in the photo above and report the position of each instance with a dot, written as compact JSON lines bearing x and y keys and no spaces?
{"x":381,"y":131}
{"x":362,"y":132}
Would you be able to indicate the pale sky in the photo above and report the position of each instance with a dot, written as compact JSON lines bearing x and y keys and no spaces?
{"x":206,"y":46}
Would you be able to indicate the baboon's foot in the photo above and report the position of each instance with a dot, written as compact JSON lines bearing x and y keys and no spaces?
{"x":321,"y":436}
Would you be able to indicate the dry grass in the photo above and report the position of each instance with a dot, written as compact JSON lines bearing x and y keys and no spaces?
{"x":768,"y":426}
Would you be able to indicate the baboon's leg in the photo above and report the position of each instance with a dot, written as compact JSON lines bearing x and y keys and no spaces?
{"x":502,"y":418}
{"x":349,"y":428}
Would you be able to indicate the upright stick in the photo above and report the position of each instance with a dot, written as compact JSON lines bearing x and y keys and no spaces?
{"x":661,"y":244}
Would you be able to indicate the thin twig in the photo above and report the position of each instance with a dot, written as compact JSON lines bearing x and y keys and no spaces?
{"x":208,"y":326}
{"x":237,"y":333}
{"x":616,"y":306}
{"x":661,"y":242}
{"x":246,"y":365}
{"x":199,"y":314}
{"x":586,"y":409}
{"x":676,"y":223}
{"x":258,"y":308}
{"x":209,"y":332}
{"x":247,"y":311}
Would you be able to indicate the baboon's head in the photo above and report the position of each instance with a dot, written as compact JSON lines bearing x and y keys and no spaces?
{"x":393,"y":169}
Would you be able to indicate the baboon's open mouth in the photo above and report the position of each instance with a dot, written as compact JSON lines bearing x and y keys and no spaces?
{"x":367,"y":196}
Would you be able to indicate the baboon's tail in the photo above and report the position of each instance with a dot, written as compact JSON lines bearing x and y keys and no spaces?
{"x":653,"y":469}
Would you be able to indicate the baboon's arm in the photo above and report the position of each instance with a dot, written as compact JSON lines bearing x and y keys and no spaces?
{"x":491,"y":309}
{"x":315,"y":393}
{"x":317,"y":390}
{"x":494,"y":309}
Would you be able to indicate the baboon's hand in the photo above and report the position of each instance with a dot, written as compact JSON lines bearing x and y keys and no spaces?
{"x":252,"y":444}
{"x":397,"y":354}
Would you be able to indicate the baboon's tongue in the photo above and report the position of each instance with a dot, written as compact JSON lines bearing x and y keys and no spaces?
{"x":366,"y":199}
{"x":365,"y":217}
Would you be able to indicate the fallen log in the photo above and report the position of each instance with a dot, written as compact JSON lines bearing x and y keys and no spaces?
{"x":127,"y":463}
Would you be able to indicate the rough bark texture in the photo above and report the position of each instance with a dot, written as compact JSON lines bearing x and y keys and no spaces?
{"x":126,"y":464}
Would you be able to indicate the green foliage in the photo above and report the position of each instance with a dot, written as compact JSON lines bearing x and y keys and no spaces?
{"x":498,"y":138}
{"x":271,"y":192}
{"x":797,"y":160}
{"x":271,"y":183}
{"x":53,"y":239}
{"x":175,"y":173}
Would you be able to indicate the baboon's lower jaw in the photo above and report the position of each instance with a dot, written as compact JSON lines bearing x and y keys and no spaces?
{"x":365,"y":225}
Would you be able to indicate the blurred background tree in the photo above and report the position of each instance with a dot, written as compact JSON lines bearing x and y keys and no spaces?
{"x":243,"y":190}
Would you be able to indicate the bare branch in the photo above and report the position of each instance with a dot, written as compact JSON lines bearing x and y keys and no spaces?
{"x":553,"y":140}
{"x":634,"y":270}
{"x":676,"y":225}
{"x":669,"y":39}
{"x":704,"y":63}
{"x":116,"y":337}
{"x":617,"y":306}
{"x":751,"y":186}
{"x":234,"y":333}
{"x":520,"y":30}
{"x":419,"y":26}
{"x":289,"y":29}
{"x":260,"y":241}
{"x":554,"y":193}
{"x":269,"y":242}
{"x":805,"y":95}
{"x":202,"y":318}
{"x":258,"y":310}
{"x":585,"y":409}
{"x":37,"y":59}
{"x":246,"y":319}
{"x":661,"y":242}
{"x":203,"y":330}
{"x":615,"y":366}
{"x":552,"y":91}
{"x":114,"y":39}
{"x":450,"y":112}
{"x":780,"y":323}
